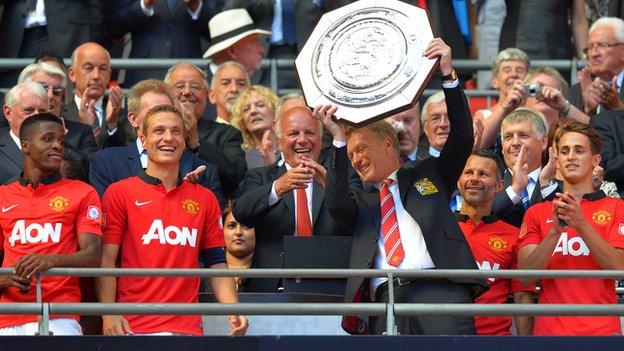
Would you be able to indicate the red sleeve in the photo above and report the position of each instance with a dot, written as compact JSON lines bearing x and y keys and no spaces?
{"x":115,"y":215}
{"x":212,"y":233}
{"x":89,"y":219}
{"x":615,"y":236}
{"x":516,"y":286}
{"x":530,"y":231}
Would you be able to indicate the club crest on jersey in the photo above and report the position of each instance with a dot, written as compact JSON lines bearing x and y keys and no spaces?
{"x":59,"y":203}
{"x":190,"y":206}
{"x":601,"y":217}
{"x":497,"y":244}
{"x":425,"y":187}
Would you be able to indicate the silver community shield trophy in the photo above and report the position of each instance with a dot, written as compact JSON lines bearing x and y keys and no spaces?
{"x":367,"y":58}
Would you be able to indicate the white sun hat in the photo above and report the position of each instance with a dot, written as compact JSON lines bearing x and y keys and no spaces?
{"x":228,"y":27}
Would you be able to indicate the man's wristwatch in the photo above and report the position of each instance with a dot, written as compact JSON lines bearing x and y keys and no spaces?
{"x":451,"y":77}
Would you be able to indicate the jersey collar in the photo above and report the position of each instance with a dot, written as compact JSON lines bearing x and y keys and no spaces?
{"x":54,"y":177}
{"x":595,"y":196}
{"x":460,"y":217}
{"x":155,"y":181}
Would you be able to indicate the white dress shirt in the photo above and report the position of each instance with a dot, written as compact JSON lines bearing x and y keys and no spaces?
{"x":416,"y":253}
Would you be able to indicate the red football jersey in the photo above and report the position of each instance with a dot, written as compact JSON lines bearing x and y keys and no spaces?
{"x":159,"y":229}
{"x":606,"y":215}
{"x":45,"y":220}
{"x":494,"y":245}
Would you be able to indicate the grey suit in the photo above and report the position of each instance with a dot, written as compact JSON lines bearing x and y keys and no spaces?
{"x":11,"y":159}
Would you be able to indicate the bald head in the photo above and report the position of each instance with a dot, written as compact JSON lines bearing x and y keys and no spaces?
{"x":90,"y":70}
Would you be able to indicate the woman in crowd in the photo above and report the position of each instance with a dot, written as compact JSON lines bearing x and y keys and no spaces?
{"x":240,"y":242}
{"x":254,"y":115}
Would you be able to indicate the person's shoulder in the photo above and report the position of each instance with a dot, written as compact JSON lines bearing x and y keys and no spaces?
{"x":505,"y":228}
{"x":78,"y":188}
{"x":113,"y":151}
{"x":197,"y":191}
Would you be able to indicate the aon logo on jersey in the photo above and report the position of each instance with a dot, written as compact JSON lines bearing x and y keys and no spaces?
{"x":487,"y":265}
{"x":171,"y":235}
{"x":35,"y":233}
{"x":574,"y":247}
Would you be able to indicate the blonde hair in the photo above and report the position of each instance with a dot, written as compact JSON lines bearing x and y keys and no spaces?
{"x":270,"y":99}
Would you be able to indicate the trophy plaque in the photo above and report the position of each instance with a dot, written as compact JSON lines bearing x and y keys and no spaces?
{"x":367,"y":58}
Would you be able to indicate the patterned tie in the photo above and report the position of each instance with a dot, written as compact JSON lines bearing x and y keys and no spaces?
{"x":390,"y":226}
{"x":304,"y":226}
{"x":403,"y":159}
{"x":526,"y":199}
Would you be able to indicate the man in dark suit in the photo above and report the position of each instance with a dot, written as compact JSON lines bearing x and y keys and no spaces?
{"x":600,"y":83}
{"x":160,"y":29}
{"x":117,"y":163}
{"x":287,"y":198}
{"x":90,"y":72}
{"x":79,"y":136}
{"x":407,"y":224}
{"x":524,"y":135}
{"x":610,"y":127}
{"x":213,"y":142}
{"x":22,"y":101}
{"x":30,"y":28}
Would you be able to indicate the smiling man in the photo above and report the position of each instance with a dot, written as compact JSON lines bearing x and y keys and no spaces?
{"x":213,"y":142}
{"x":160,"y":220}
{"x":403,"y":221}
{"x":288,"y":197}
{"x":493,"y":242}
{"x":47,"y":221}
{"x":524,"y":136}
{"x":580,"y":229}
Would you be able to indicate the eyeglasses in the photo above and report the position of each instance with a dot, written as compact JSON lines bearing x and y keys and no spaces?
{"x":56,"y":89}
{"x":601,"y":47}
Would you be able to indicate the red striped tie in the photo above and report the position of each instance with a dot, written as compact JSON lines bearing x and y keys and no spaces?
{"x":390,"y":226}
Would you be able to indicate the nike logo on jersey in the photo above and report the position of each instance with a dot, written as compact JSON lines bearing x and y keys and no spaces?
{"x":7,"y":209}
{"x":549,"y":220}
{"x":142,"y":203}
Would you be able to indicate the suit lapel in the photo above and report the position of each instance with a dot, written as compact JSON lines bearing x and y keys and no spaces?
{"x":318,"y":193}
{"x":371,"y":199}
{"x":8,"y":147}
{"x":133,"y":159}
{"x":404,"y":182}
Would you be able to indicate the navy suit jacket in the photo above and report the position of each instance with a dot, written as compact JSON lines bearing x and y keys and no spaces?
{"x":444,"y":239}
{"x":166,"y":34}
{"x":610,"y":126}
{"x":116,"y":163}
{"x":272,"y":223}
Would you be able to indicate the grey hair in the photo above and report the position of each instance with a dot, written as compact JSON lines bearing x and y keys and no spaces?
{"x":14,"y":95}
{"x":44,"y":67}
{"x":615,"y":23}
{"x":510,"y":54}
{"x":521,"y":114}
{"x":185,"y":64}
{"x":213,"y":82}
{"x":433,"y":99}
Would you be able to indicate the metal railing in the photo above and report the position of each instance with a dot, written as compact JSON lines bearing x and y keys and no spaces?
{"x":390,"y":309}
{"x":461,"y":65}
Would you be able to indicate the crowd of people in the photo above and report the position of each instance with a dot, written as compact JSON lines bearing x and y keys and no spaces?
{"x":211,"y":168}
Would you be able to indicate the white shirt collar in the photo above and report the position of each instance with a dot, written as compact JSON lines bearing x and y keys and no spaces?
{"x":16,"y":139}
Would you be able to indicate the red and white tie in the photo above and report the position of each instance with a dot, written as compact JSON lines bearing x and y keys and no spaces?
{"x":390,"y":226}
